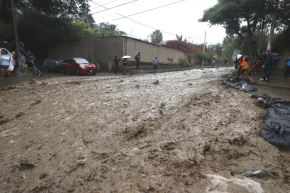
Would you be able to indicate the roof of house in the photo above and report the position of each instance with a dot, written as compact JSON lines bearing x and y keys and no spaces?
{"x":162,"y":45}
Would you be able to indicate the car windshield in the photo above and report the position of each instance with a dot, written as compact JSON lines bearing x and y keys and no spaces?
{"x":81,"y":61}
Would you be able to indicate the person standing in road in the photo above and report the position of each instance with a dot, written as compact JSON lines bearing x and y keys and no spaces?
{"x":116,"y":63}
{"x":155,"y":64}
{"x":137,"y":59}
{"x":268,"y":66}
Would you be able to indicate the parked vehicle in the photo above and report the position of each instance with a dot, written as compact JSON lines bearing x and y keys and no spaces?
{"x":52,"y":65}
{"x":78,"y":66}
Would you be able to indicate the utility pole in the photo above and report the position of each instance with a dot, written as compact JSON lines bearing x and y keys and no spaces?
{"x":260,"y":38}
{"x":15,"y":34}
{"x":203,"y":50}
{"x":273,"y":24}
{"x":271,"y":34}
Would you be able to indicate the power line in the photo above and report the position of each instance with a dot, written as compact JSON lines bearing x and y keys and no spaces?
{"x":140,"y":23}
{"x":150,"y":9}
{"x":105,"y":4}
{"x":148,"y":26}
{"x":145,"y":25}
{"x":126,"y":3}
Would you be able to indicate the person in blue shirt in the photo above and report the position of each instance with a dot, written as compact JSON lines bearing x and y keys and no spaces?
{"x":155,"y":63}
{"x":287,"y":70}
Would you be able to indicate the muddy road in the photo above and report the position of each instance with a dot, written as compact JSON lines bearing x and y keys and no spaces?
{"x":168,"y":132}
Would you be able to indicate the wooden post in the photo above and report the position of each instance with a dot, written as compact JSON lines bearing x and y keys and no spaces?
{"x":15,"y":34}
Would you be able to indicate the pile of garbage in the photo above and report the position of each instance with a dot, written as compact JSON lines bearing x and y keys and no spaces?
{"x":276,"y":125}
{"x":240,"y":84}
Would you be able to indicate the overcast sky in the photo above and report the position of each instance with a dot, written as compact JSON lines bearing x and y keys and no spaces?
{"x":180,"y":18}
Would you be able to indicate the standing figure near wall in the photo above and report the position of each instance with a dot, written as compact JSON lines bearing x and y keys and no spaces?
{"x":268,"y":66}
{"x":155,"y":63}
{"x":137,"y":59}
{"x":116,"y":62}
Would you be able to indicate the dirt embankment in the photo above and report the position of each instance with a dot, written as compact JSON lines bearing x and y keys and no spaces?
{"x":183,"y":133}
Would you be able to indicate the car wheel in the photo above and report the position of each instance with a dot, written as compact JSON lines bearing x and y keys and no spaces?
{"x":60,"y":70}
{"x":45,"y":70}
{"x":64,"y":72}
{"x":77,"y":72}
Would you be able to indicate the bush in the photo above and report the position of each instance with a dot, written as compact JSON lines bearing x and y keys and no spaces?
{"x":199,"y":57}
{"x":186,"y":60}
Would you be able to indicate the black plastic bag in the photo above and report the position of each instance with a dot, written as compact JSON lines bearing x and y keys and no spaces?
{"x":276,"y":126}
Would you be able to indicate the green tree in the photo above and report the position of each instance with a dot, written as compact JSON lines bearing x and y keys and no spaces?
{"x":156,"y":37}
{"x":107,"y":29}
{"x":231,"y":43}
{"x":216,"y":48}
{"x":56,"y":8}
{"x":40,"y":32}
{"x":282,"y":41}
{"x":246,"y":18}
{"x":43,"y":24}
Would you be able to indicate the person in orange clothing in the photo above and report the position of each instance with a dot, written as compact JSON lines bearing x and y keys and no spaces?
{"x":245,"y":64}
{"x":242,"y":65}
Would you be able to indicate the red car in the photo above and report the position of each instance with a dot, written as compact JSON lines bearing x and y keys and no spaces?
{"x":78,"y":66}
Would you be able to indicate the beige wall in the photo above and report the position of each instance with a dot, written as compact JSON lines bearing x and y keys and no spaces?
{"x":149,"y":51}
{"x":104,"y":50}
{"x":93,"y":49}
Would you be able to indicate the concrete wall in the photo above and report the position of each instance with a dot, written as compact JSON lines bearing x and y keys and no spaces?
{"x":149,"y":51}
{"x":104,"y":49}
{"x":93,"y":49}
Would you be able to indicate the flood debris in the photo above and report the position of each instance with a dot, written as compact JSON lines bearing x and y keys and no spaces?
{"x":133,"y":132}
{"x":20,"y":114}
{"x":169,"y":146}
{"x":74,"y":82}
{"x":222,"y":184}
{"x":3,"y":119}
{"x":156,"y":82}
{"x":35,"y":102}
{"x":239,"y":84}
{"x":42,"y":176}
{"x":25,"y":165}
{"x":257,"y":174}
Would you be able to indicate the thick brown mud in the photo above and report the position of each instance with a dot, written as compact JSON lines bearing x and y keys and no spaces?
{"x":169,"y":132}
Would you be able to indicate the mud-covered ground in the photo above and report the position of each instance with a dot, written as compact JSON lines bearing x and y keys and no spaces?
{"x":169,"y":132}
